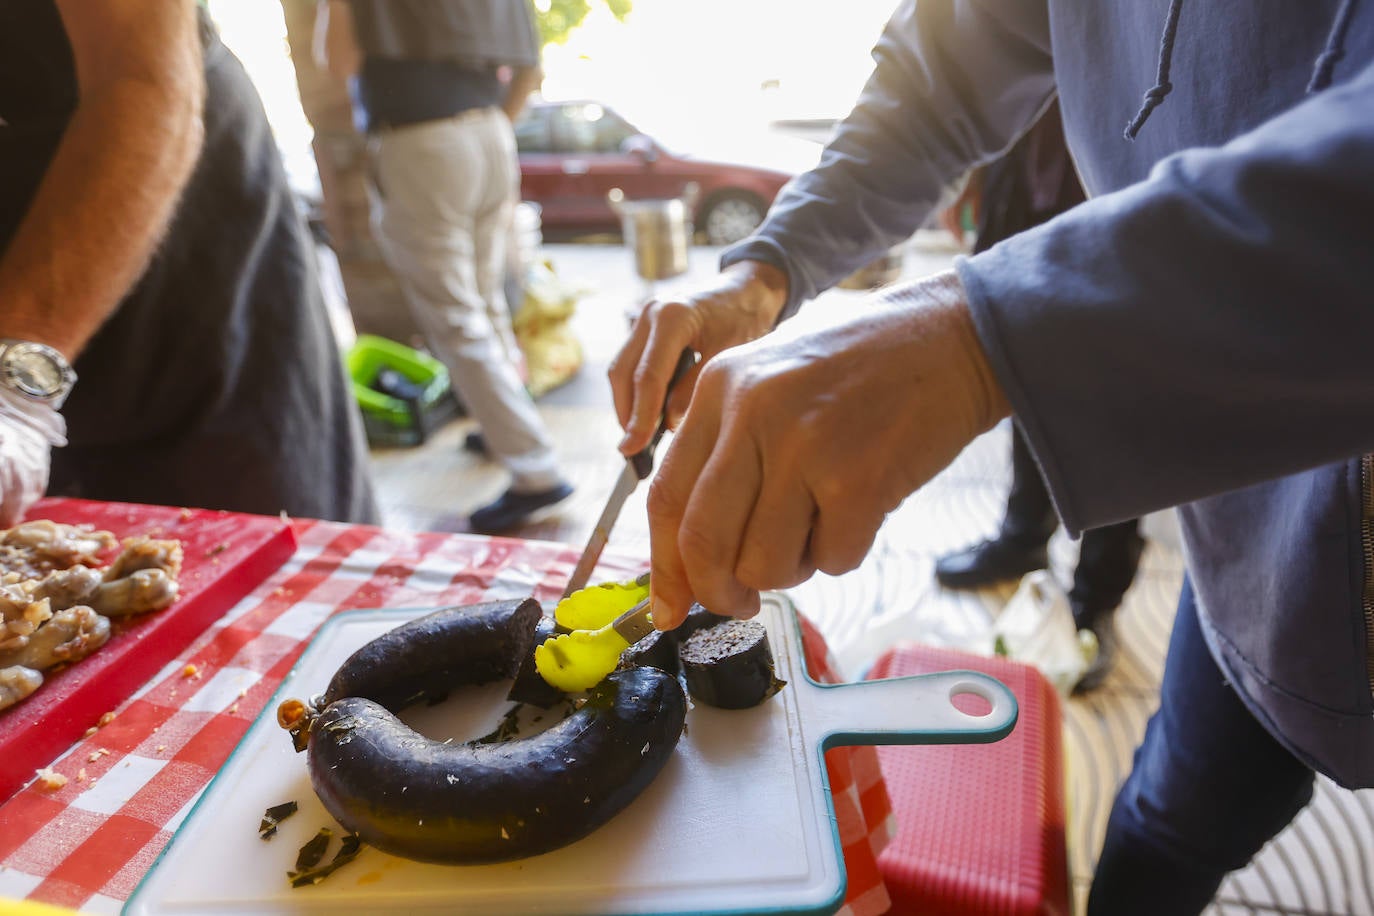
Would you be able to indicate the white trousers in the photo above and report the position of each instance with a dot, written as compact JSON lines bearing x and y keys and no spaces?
{"x":446,"y":195}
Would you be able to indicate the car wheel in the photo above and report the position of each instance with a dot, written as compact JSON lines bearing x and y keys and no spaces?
{"x":731,"y":216}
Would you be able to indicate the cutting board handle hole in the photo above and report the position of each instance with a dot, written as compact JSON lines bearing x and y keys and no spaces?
{"x":970,"y":703}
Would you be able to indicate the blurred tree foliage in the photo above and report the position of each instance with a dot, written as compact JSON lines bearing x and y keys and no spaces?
{"x":557,"y":18}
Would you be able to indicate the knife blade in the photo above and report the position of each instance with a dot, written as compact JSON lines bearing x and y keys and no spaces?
{"x":601,"y":533}
{"x":637,"y":467}
{"x":634,"y":624}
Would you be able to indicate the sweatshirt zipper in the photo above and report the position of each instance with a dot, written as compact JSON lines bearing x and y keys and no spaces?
{"x":1367,"y":546}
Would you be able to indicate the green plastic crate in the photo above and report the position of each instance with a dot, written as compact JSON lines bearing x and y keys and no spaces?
{"x":387,"y":420}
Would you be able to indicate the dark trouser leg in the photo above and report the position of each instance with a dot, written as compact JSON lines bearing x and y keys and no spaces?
{"x":1030,"y":517}
{"x":1107,"y":562}
{"x":1019,"y":545}
{"x":1209,"y":788}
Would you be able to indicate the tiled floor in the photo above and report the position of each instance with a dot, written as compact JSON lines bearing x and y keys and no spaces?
{"x":1324,"y":863}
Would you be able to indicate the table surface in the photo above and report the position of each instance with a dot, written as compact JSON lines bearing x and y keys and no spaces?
{"x":130,"y":784}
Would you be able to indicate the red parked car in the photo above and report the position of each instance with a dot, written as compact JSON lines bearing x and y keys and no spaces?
{"x":572,"y":153}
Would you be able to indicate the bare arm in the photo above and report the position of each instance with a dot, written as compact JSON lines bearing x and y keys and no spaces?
{"x":113,"y":184}
{"x":524,"y":81}
{"x":336,"y":42}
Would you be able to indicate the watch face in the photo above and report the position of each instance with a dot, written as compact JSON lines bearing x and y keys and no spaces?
{"x":36,"y":374}
{"x":37,"y":371}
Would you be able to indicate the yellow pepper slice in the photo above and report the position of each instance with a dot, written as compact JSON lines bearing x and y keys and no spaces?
{"x":593,"y":607}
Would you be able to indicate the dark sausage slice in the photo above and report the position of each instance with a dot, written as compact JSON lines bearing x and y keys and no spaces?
{"x":730,"y":665}
{"x":529,"y":686}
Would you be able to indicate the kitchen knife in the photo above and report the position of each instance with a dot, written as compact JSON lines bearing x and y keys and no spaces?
{"x":637,"y":468}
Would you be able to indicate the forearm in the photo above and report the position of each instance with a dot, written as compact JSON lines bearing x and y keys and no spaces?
{"x":522,"y":84}
{"x":106,"y":198}
{"x":335,"y":41}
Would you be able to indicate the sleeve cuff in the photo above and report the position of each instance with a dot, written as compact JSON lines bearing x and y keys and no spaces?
{"x":987,"y":323}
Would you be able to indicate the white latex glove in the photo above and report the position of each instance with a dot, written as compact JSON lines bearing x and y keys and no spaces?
{"x":28,"y":431}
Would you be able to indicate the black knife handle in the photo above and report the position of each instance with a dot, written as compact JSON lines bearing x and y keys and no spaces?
{"x":643,"y":460}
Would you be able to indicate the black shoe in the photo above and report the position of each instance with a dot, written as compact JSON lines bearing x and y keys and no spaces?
{"x":512,"y":508}
{"x":1102,"y":624}
{"x":990,"y":562}
{"x":476,"y":443}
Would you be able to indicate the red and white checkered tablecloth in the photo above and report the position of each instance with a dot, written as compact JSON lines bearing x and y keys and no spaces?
{"x":129,"y":785}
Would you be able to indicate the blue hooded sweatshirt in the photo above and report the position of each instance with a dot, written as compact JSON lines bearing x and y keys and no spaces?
{"x":1200,"y":333}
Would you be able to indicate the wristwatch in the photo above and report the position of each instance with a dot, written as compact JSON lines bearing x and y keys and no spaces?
{"x":36,"y":371}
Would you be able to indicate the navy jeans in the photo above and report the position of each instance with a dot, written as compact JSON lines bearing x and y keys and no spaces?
{"x":1209,"y":788}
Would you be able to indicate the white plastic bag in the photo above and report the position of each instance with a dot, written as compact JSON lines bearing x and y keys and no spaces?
{"x":1037,"y":628}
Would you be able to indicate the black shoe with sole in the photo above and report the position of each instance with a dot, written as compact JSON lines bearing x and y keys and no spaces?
{"x":512,"y":508}
{"x":1102,"y":624}
{"x":990,"y":562}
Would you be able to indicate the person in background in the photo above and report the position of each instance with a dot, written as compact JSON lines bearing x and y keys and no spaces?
{"x":159,"y":304}
{"x":431,"y":93}
{"x":1031,"y":184}
{"x":1196,"y":334}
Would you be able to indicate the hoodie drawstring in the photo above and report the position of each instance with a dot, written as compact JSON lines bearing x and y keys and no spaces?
{"x":1162,"y":86}
{"x":1335,"y":48}
{"x":1321,"y":69}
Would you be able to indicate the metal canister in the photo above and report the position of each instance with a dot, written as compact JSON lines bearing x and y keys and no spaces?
{"x":659,"y":231}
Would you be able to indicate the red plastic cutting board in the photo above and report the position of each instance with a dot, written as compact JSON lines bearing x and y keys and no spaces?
{"x":226,"y":555}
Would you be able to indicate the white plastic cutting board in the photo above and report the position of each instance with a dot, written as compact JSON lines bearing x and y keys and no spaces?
{"x":739,"y":821}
